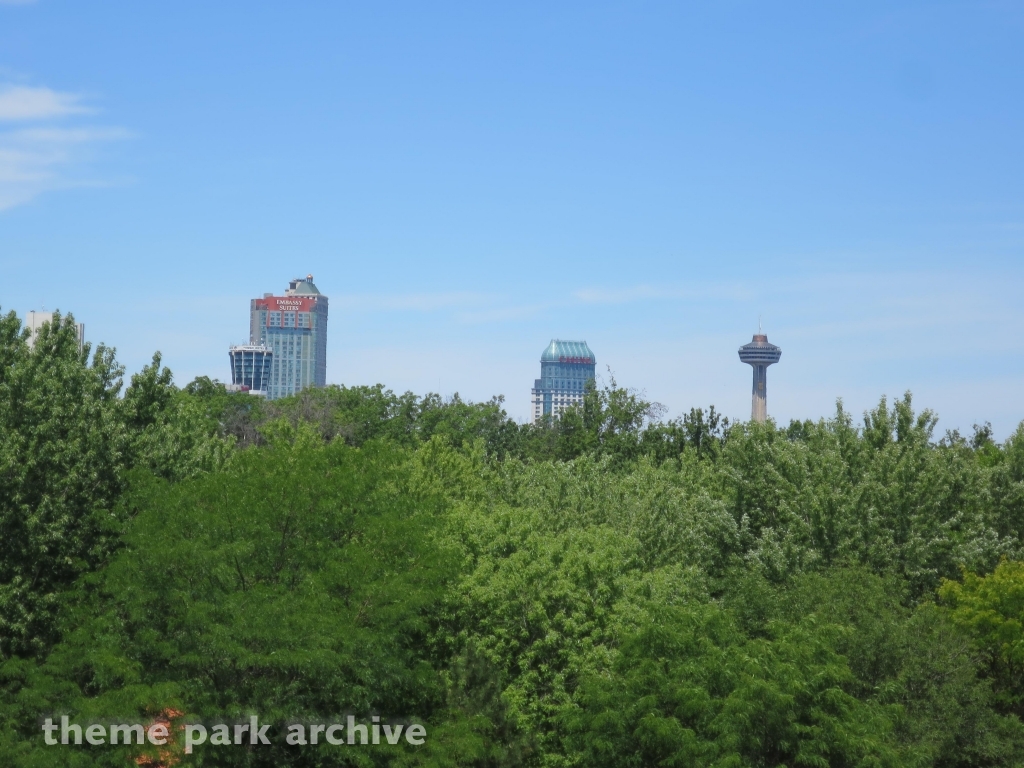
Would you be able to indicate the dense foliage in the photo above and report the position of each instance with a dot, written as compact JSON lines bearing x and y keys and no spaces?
{"x":611,"y":589}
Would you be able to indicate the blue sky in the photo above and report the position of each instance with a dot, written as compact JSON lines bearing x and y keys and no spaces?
{"x":467,"y":181}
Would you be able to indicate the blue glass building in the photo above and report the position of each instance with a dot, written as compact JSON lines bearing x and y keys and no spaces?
{"x":250,"y":367}
{"x":294,"y":326}
{"x":565,"y":369}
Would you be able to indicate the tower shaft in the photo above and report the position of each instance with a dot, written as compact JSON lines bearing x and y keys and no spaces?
{"x":759,"y":395}
{"x":759,"y":354}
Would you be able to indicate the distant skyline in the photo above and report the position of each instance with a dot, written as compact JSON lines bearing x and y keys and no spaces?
{"x":468,"y":182}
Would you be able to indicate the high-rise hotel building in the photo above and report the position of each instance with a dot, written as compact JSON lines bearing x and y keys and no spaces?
{"x":565,"y":369}
{"x":294,"y":328}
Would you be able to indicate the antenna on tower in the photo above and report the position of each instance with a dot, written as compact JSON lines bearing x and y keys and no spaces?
{"x":759,"y":331}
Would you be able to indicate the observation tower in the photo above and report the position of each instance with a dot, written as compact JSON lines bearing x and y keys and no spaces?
{"x":759,"y":354}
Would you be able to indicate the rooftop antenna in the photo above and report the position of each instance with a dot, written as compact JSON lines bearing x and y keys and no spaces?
{"x":759,"y":325}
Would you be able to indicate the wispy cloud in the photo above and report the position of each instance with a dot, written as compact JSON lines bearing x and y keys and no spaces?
{"x":68,"y":136}
{"x":502,"y":314}
{"x":623,"y":295}
{"x":644,"y":292}
{"x":412,"y":302}
{"x":21,"y":102}
{"x":48,"y":153}
{"x":37,"y":160}
{"x":464,"y":307}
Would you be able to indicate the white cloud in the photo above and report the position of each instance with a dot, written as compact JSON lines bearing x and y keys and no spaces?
{"x":624,"y":295}
{"x":20,"y":102}
{"x":412,"y":302}
{"x":67,"y":136}
{"x":48,"y":155}
{"x":37,"y":160}
{"x":502,"y":314}
{"x":466,"y":307}
{"x":645,"y":292}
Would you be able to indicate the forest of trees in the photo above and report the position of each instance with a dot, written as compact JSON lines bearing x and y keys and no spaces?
{"x":613,"y":589}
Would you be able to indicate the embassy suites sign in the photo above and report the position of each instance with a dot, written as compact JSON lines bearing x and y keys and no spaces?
{"x":287,"y":303}
{"x":582,"y":360}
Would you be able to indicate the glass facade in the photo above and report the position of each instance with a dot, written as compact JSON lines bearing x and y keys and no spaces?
{"x":565,"y":369}
{"x":294,"y":328}
{"x":251,"y":366}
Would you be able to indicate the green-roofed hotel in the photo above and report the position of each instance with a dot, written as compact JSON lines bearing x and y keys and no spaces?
{"x":292,"y":331}
{"x":565,"y":369}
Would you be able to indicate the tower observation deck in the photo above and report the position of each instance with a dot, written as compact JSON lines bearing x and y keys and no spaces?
{"x":759,"y":354}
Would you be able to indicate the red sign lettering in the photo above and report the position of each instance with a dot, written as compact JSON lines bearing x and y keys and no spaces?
{"x":287,"y":303}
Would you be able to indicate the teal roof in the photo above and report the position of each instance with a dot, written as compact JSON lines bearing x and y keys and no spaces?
{"x":558,"y":348}
{"x":304,"y":288}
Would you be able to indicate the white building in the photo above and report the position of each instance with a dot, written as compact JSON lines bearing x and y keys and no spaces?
{"x":34,"y":322}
